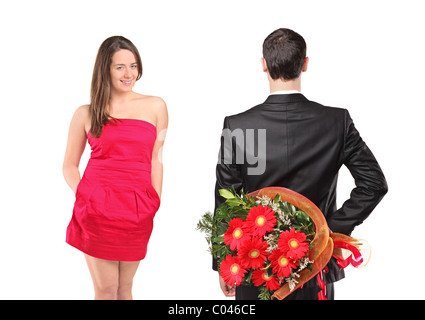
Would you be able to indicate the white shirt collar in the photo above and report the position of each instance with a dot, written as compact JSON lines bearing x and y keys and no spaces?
{"x":286,"y":92}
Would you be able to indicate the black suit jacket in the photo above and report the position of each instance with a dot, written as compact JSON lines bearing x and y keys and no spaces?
{"x":306,"y":144}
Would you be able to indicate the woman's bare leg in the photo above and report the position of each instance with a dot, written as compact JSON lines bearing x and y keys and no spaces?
{"x":105,"y":276}
{"x":127,"y":270}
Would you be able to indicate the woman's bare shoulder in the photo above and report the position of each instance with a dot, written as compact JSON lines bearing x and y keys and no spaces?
{"x":152,"y":101}
{"x":154,"y":104}
{"x":81,"y":117}
{"x":82,"y":112}
{"x":152,"y":109}
{"x":159,"y":106}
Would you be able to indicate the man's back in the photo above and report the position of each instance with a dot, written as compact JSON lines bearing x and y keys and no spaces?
{"x":295,"y":158}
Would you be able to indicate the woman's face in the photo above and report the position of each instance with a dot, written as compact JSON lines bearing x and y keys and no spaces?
{"x":123,"y":71}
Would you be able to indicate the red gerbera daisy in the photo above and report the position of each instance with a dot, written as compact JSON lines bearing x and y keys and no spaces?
{"x":293,"y":243}
{"x":259,"y":277}
{"x":231,"y":271}
{"x":252,"y":253}
{"x":260,"y":220}
{"x":235,"y":234}
{"x":281,"y":263}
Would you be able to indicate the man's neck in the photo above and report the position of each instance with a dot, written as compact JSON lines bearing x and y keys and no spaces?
{"x":280,"y":85}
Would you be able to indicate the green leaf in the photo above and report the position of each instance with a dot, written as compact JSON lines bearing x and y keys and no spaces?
{"x":285,"y":207}
{"x":218,"y":240}
{"x":226,"y":194}
{"x":233,"y":202}
{"x":296,"y":227}
{"x":279,"y":223}
{"x":247,"y":277}
{"x":302,"y":217}
{"x":264,"y":293}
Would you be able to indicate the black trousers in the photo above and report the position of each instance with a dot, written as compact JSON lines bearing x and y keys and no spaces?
{"x":308,"y":292}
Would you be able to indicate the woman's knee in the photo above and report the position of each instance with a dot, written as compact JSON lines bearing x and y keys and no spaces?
{"x":106,"y":292}
{"x":124,"y":291}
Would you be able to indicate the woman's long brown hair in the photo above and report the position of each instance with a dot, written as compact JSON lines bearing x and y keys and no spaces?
{"x":100,"y":92}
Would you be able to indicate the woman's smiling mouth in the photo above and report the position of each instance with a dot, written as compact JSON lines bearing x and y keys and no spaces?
{"x":126,"y":83}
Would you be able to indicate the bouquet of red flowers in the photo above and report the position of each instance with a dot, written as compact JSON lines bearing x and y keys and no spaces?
{"x":271,"y":243}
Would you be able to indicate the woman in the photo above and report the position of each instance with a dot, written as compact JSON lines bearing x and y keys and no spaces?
{"x":119,"y":193}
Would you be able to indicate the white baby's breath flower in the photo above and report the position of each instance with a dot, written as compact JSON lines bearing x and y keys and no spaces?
{"x":274,"y":206}
{"x":304,"y":263}
{"x":272,"y":239}
{"x":284,"y":218}
{"x":264,"y":200}
{"x":291,"y":281}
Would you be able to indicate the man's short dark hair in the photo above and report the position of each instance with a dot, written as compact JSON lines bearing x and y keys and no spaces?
{"x":284,"y":51}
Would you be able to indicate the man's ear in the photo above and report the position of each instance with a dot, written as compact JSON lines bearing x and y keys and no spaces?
{"x":264,"y":65}
{"x":305,"y":65}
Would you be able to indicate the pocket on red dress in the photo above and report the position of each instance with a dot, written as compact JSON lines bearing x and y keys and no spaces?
{"x":147,"y":203}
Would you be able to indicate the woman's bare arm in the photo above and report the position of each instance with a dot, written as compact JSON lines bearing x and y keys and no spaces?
{"x":77,"y":138}
{"x":161,"y":127}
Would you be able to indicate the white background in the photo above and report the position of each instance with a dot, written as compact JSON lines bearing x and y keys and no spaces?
{"x":203,"y":59}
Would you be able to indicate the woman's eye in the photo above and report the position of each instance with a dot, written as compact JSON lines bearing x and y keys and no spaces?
{"x":134,"y":67}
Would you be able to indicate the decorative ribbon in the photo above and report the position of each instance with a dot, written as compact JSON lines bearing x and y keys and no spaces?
{"x":322,"y":293}
{"x":355,"y":261}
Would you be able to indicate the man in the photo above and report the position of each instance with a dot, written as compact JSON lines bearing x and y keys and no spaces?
{"x":291,"y":142}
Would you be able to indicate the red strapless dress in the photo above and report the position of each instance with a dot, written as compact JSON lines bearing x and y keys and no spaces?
{"x":115,"y":202}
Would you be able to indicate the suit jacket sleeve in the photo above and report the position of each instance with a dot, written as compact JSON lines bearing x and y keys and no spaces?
{"x":228,"y":172}
{"x":370,"y":182}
